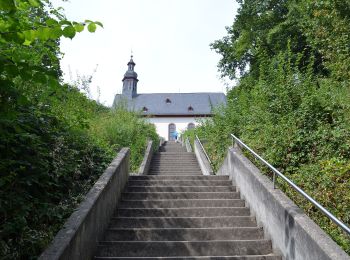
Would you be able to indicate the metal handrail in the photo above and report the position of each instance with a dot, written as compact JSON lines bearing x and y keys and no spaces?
{"x":206,"y":155}
{"x":295,"y":187}
{"x":188,"y":143}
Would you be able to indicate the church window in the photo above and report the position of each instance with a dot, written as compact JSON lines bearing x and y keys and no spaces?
{"x":190,"y":126}
{"x":168,"y":101}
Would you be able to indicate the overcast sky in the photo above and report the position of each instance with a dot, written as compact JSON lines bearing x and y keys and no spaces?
{"x":169,"y":38}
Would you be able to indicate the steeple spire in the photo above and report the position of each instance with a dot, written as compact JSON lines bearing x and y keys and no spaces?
{"x":131,"y":64}
{"x":130,"y":80}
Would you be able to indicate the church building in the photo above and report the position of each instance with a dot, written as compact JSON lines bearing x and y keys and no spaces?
{"x":169,"y":112}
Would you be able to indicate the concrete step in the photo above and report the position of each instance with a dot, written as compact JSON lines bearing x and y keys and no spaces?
{"x":183,"y":212}
{"x":172,"y":150}
{"x":179,"y":168}
{"x":170,"y":159}
{"x":174,"y":153}
{"x":178,"y":222}
{"x":173,"y":159}
{"x":185,"y":234}
{"x":171,"y":155}
{"x":184,"y":248}
{"x":179,"y":195}
{"x":173,"y":172}
{"x":186,"y":154}
{"x":177,"y":173}
{"x":175,"y":165}
{"x":180,"y":188}
{"x":181,"y":203}
{"x":245,"y":257}
{"x":174,"y":183}
{"x":176,"y":177}
{"x":173,"y":147}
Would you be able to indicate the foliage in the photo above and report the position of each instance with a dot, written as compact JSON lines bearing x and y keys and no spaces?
{"x":49,"y":156}
{"x":120,"y":128}
{"x":291,"y":102}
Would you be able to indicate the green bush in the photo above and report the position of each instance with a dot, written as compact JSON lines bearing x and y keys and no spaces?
{"x":49,"y":158}
{"x":51,"y":155}
{"x":46,"y":168}
{"x":298,"y":122}
{"x":291,"y":103}
{"x":120,"y":128}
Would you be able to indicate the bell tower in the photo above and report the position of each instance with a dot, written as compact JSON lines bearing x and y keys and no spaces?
{"x":130,"y":81}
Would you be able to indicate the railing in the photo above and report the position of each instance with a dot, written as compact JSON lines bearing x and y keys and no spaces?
{"x":294,"y":186}
{"x":205,"y":153}
{"x":188,"y":145}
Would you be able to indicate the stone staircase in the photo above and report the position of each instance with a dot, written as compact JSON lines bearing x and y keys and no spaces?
{"x":175,"y":212}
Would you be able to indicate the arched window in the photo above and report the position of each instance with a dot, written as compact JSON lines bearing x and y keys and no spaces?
{"x":172,"y":130}
{"x":190,"y":126}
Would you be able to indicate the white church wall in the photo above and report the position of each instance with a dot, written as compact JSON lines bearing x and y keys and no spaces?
{"x":181,"y":123}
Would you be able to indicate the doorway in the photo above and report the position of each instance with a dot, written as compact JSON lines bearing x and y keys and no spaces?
{"x":172,"y":129}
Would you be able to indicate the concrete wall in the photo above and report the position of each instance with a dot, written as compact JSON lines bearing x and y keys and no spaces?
{"x":202,"y":159}
{"x":181,"y":123}
{"x":293,"y":234}
{"x":146,"y":159}
{"x":188,"y":145}
{"x":78,"y":238}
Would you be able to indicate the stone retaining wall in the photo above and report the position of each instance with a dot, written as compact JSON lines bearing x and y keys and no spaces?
{"x":79,"y":235}
{"x":294,"y":235}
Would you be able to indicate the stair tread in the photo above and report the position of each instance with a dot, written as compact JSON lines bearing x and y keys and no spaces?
{"x":243,"y":257}
{"x":181,"y":248}
{"x":175,"y":212}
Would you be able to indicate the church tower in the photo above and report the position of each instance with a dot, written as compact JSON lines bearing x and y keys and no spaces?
{"x":130,"y":81}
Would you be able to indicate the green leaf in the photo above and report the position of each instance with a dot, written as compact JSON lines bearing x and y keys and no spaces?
{"x":7,"y":5}
{"x":69,"y":32}
{"x":44,"y":33}
{"x":79,"y":27}
{"x":29,"y":37}
{"x":40,"y":77}
{"x":56,"y":32}
{"x":51,"y":22}
{"x":92,"y":27}
{"x":65,"y":22}
{"x":99,"y":23}
{"x":11,"y":69}
{"x":34,"y":3}
{"x":27,"y":42}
